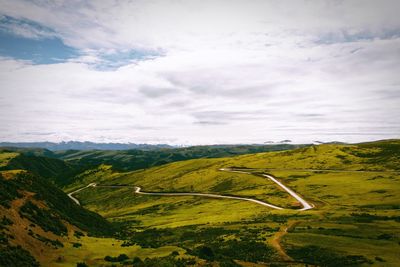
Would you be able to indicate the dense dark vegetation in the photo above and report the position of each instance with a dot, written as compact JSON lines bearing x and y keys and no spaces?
{"x":11,"y":256}
{"x":153,"y":238}
{"x":8,"y":192}
{"x":46,"y":219}
{"x":121,"y":257}
{"x":325,"y":257}
{"x":53,"y":169}
{"x":247,"y":243}
{"x":250,"y":251}
{"x":58,"y":203}
{"x":168,"y":261}
{"x":16,"y":256}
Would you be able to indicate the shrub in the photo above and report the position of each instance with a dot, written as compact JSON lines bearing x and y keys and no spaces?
{"x":325,"y":257}
{"x":205,"y":252}
{"x":137,"y":261}
{"x":76,"y":245}
{"x":16,"y":257}
{"x":250,"y":251}
{"x":175,"y":253}
{"x":44,"y":218}
{"x":78,"y":234}
{"x":121,"y":257}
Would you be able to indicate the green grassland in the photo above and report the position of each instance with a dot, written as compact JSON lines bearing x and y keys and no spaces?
{"x":6,"y":157}
{"x":55,"y":170}
{"x":356,"y":190}
{"x":355,"y":222}
{"x":128,"y":160}
{"x":93,"y":251}
{"x":37,"y":218}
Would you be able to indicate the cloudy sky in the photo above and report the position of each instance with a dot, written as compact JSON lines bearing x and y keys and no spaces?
{"x":199,"y":72}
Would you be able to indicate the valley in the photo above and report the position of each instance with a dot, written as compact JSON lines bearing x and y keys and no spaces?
{"x":137,"y":190}
{"x":172,"y":133}
{"x":324,"y":205}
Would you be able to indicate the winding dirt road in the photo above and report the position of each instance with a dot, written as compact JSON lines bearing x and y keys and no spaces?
{"x":276,"y":240}
{"x":80,"y":189}
{"x":304,"y":203}
{"x":137,"y":191}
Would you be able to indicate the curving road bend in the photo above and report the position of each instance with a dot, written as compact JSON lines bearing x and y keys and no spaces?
{"x":305,"y":204}
{"x":80,"y":189}
{"x":137,"y":191}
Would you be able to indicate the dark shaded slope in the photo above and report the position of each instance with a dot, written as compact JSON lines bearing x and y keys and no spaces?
{"x":40,"y":152}
{"x":58,"y":205}
{"x":36,"y":218}
{"x":55,"y":170}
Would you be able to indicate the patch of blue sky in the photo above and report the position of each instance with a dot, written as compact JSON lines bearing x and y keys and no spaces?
{"x":25,"y":28}
{"x":38,"y":51}
{"x":112,"y":61}
{"x":26,"y":40}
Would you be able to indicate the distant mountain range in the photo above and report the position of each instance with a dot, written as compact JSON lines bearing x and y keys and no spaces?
{"x":75,"y":145}
{"x":87,"y":145}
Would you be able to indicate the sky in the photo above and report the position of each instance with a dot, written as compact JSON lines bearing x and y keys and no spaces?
{"x":199,"y":72}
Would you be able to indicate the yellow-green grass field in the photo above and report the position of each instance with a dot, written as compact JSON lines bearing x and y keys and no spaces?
{"x":356,"y":213}
{"x":5,"y":158}
{"x":93,"y":251}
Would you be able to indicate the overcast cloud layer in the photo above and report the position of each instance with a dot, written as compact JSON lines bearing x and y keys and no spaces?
{"x":201,"y":72}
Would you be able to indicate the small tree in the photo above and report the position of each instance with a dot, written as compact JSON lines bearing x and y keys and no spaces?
{"x":122,"y":257}
{"x":137,"y":261}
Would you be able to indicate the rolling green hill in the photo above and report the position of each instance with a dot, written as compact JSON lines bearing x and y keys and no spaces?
{"x":63,"y":166}
{"x":128,"y":160}
{"x":37,"y":219}
{"x":55,"y":170}
{"x":355,"y":190}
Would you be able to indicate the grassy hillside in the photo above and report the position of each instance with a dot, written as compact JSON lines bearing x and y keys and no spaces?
{"x":40,"y":152}
{"x":63,"y":167}
{"x":376,"y":156}
{"x":355,"y":188}
{"x":129,"y":160}
{"x":6,"y":157}
{"x":55,"y":170}
{"x":355,"y":222}
{"x":38,"y":218}
{"x":39,"y":224}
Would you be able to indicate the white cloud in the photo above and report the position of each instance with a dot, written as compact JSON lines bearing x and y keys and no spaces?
{"x":198,"y":24}
{"x":230,"y":72}
{"x":25,"y":29}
